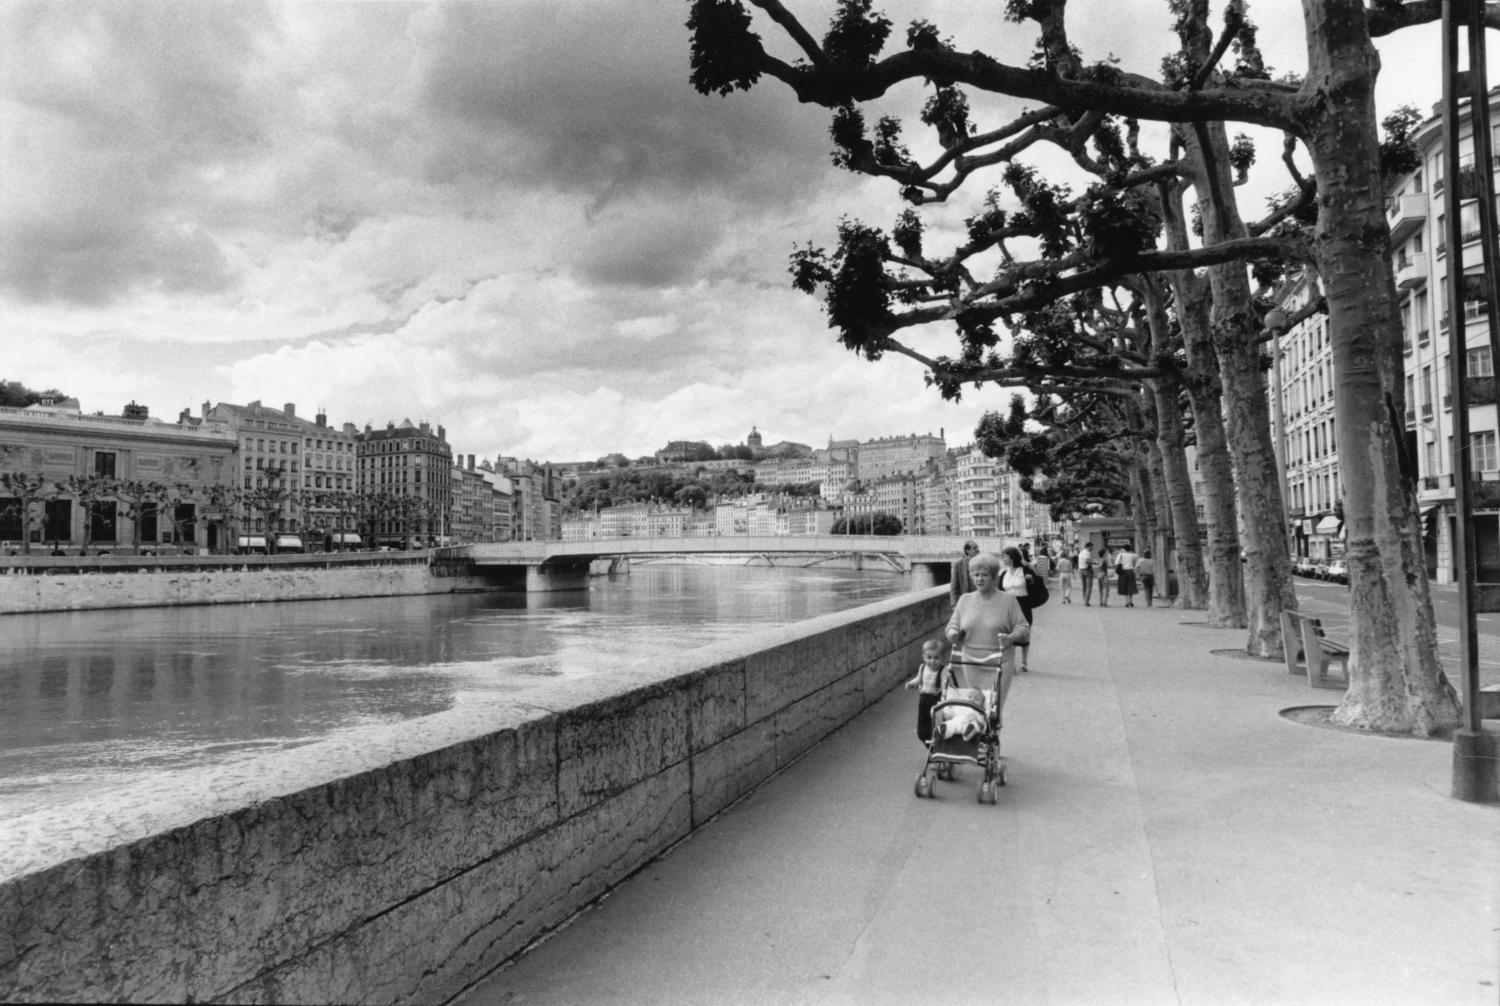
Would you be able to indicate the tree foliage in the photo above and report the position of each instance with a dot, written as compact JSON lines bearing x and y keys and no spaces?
{"x":879,"y":522}
{"x":15,"y":395}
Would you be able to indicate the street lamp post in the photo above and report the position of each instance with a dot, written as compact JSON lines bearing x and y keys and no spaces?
{"x":1476,"y":747}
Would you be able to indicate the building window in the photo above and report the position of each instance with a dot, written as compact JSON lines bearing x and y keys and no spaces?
{"x":1482,"y":456}
{"x":104,"y":464}
{"x":1481,"y":363}
{"x":102,"y":520}
{"x":57,"y":524}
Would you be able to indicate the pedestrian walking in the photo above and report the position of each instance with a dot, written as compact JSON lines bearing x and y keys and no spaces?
{"x":960,"y":582}
{"x":1125,"y":561}
{"x":928,"y":682}
{"x":1065,"y":576}
{"x":1086,"y":570}
{"x":1013,"y":582}
{"x":987,"y":625}
{"x":1103,"y":570}
{"x":1145,"y":571}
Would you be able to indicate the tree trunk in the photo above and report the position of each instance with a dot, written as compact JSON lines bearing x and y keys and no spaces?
{"x":1396,"y":683}
{"x":1235,"y":329}
{"x":1226,"y":578}
{"x":1187,"y":540}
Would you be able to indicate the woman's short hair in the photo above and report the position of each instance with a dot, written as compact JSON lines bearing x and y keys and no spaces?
{"x":1013,"y":554}
{"x":971,"y":547}
{"x":984,"y":562}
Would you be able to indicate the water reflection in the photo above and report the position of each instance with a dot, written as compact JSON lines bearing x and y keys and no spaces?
{"x":86,"y":697}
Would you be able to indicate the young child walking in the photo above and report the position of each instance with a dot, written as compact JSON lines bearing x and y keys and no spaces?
{"x":929,"y":684}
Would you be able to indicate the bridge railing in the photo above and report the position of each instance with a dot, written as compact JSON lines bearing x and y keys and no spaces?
{"x":926,"y":547}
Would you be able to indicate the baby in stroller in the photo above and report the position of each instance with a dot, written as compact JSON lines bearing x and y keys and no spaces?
{"x":962,"y":714}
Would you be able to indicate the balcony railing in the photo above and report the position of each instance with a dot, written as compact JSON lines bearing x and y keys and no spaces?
{"x":1448,"y":401}
{"x":1411,"y":417}
{"x":1429,"y":482}
{"x":1479,"y":390}
{"x":1426,"y":410}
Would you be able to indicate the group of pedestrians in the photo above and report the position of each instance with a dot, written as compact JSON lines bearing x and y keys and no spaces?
{"x":1123,"y":570}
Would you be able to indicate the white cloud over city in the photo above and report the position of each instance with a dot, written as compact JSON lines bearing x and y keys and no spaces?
{"x":515,"y":219}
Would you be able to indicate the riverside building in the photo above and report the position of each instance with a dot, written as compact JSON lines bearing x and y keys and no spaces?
{"x":409,"y":469}
{"x":172,"y":469}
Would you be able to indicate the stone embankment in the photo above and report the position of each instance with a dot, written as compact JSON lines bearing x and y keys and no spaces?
{"x":29,"y":585}
{"x":410,"y":879}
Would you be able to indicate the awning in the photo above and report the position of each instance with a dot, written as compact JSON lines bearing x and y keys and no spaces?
{"x":252,"y":541}
{"x":1328,"y":525}
{"x":288,"y":541}
{"x":345,"y":538}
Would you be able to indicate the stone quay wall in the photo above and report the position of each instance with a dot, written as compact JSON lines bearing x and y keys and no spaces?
{"x":408,"y":882}
{"x":127,"y":582}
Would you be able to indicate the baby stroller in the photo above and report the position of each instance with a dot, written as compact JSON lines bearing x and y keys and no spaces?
{"x":975,"y":747}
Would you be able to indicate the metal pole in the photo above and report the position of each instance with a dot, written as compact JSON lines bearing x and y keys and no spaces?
{"x":1278,"y":417}
{"x":1474,"y":771}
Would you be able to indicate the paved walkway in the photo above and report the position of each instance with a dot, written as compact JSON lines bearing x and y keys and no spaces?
{"x":1166,"y":837}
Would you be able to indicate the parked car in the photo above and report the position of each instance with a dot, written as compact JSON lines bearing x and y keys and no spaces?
{"x":1337,"y":571}
{"x":1304,"y":566}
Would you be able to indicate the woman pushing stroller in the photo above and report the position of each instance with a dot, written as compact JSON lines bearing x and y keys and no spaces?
{"x":986,"y":626}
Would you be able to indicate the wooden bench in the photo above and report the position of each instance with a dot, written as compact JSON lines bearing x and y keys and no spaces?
{"x":1308,"y":651}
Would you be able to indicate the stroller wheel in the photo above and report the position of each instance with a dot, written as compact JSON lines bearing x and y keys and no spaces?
{"x":924,"y":784}
{"x":986,"y":792}
{"x":945,"y":771}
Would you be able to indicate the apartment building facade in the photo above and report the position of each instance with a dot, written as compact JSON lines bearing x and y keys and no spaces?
{"x":411,"y":467}
{"x":55,"y":442}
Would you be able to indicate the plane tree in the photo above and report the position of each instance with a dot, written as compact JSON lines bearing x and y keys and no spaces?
{"x":140,"y":498}
{"x":1397,"y":683}
{"x":96,"y":495}
{"x":23,"y":492}
{"x":1087,"y":242}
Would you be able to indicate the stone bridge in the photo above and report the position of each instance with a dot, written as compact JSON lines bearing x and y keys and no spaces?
{"x":564,"y":565}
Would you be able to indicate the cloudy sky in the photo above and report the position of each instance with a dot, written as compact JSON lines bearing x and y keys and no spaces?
{"x":516,"y":219}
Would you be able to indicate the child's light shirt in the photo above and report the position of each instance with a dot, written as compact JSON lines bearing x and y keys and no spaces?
{"x":927,"y":680}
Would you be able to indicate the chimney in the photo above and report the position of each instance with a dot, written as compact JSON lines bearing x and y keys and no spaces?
{"x":321,"y":419}
{"x":291,"y":410}
{"x":471,"y":462}
{"x":134,"y":411}
{"x":206,"y":407}
{"x":184,"y":416}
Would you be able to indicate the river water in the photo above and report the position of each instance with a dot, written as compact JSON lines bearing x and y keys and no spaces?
{"x":95,"y":702}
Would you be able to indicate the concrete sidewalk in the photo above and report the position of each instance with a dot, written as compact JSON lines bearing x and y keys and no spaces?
{"x":1166,"y":837}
